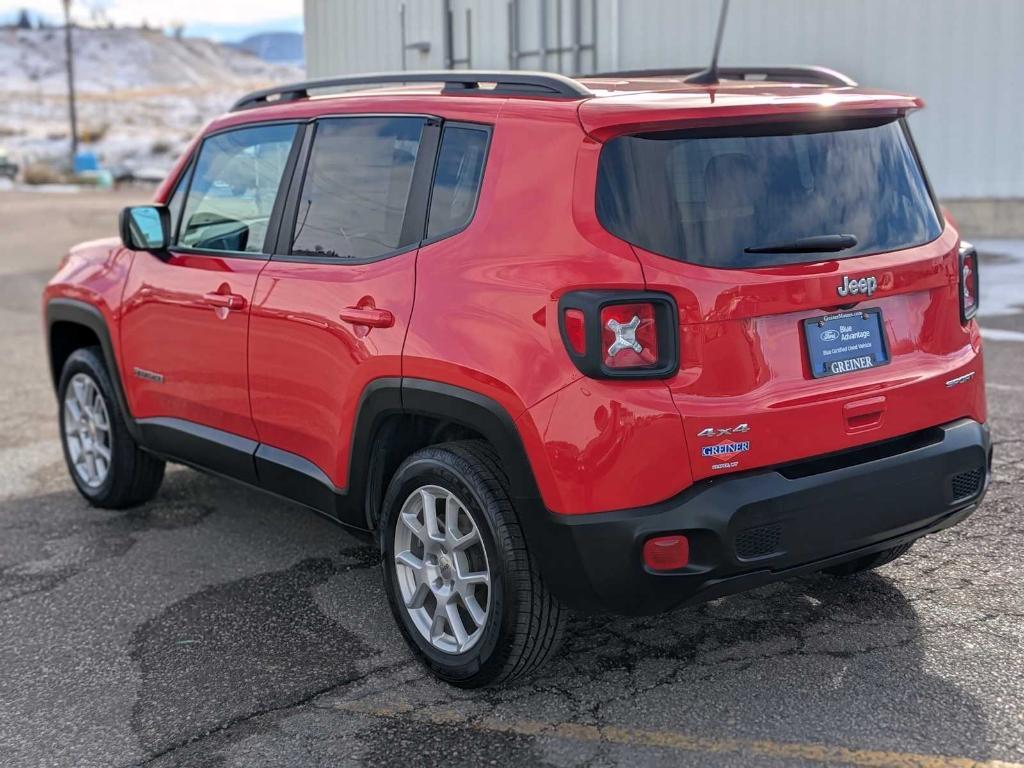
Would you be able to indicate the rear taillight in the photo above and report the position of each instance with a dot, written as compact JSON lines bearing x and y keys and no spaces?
{"x":970,"y":294}
{"x":574,"y":323}
{"x":629,"y":336}
{"x":610,"y":334}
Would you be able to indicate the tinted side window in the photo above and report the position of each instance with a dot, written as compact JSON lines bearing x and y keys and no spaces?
{"x":356,"y":187}
{"x":460,"y":166}
{"x":233,"y":188}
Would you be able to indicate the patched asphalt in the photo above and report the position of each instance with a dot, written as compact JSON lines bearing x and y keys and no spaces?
{"x":217,"y":626}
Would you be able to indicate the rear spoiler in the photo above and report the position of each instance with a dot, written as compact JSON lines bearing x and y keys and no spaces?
{"x":661,"y":110}
{"x":809,"y":75}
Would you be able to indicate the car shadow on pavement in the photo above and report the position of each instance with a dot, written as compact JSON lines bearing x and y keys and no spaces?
{"x":816,"y":659}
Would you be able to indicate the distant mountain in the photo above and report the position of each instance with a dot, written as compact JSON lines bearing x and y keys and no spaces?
{"x":276,"y":47}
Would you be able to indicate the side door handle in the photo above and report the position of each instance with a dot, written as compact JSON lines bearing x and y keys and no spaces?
{"x":224,"y":300}
{"x":368,"y":317}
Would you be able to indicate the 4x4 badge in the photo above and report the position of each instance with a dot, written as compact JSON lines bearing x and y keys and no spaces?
{"x":723,"y":431}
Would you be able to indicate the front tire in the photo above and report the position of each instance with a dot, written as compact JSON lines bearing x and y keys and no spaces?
{"x":106,"y":464}
{"x":460,"y":581}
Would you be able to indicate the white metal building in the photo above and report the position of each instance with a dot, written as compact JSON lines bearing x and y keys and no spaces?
{"x":964,"y":57}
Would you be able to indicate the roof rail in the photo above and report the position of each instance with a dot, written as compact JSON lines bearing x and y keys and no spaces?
{"x":521,"y":83}
{"x":815,"y":75}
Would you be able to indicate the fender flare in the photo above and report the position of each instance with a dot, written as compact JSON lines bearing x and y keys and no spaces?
{"x":558,"y":562}
{"x":481,"y":413}
{"x":63,"y":310}
{"x":385,"y":397}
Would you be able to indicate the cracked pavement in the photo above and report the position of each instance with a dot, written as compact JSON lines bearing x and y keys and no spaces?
{"x":217,"y":626}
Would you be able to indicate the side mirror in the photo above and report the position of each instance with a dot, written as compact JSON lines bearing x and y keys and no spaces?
{"x":145,"y":227}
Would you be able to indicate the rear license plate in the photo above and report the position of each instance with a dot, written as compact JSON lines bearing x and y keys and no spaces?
{"x":846,"y":342}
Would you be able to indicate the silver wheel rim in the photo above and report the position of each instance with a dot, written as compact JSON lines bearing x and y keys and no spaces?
{"x":87,"y":431}
{"x":442,"y":570}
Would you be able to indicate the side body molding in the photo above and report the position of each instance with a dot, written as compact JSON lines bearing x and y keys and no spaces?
{"x":293,"y":477}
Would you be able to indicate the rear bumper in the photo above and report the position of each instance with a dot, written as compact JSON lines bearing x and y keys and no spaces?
{"x":749,"y":529}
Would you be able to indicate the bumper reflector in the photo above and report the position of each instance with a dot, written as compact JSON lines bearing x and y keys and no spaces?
{"x":666,"y":553}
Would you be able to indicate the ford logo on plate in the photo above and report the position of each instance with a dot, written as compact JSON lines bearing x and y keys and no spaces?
{"x":829,"y":335}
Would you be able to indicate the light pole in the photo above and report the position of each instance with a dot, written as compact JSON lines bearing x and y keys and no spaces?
{"x":71,"y":82}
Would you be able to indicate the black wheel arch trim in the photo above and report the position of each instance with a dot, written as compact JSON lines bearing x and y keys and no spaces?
{"x":64,"y":310}
{"x":480,"y":413}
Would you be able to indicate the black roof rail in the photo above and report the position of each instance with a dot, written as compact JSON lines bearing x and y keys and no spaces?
{"x":813,"y":75}
{"x":520,"y":83}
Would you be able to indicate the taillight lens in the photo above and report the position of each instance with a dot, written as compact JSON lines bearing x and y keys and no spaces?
{"x":621,"y":334}
{"x":629,"y":336}
{"x":575,"y":330}
{"x":970,"y":295}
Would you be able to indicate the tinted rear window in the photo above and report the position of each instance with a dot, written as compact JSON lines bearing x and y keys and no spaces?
{"x":460,"y":165}
{"x":704,"y":198}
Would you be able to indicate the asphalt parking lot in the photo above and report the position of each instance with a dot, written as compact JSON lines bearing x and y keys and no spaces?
{"x":218,"y":626}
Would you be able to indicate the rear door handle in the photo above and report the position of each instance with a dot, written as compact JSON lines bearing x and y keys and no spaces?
{"x":367,"y":316}
{"x":224,"y":300}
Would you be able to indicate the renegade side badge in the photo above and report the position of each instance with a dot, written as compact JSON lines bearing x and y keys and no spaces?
{"x":142,"y":373}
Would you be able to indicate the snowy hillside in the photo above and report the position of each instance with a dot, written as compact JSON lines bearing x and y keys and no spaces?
{"x":141,"y":94}
{"x":105,"y":59}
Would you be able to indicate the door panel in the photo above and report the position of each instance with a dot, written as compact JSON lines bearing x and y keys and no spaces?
{"x":308,"y":366}
{"x":184,"y":348}
{"x":185,"y":322}
{"x":331,"y":308}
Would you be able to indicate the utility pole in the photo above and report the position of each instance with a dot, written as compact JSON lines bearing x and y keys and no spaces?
{"x":71,"y":82}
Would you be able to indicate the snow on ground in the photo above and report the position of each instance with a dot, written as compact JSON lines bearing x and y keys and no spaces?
{"x":142,"y":94}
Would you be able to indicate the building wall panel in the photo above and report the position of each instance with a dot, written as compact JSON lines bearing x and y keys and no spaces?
{"x":962,"y":56}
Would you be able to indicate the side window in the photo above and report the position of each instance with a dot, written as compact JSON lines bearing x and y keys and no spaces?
{"x":233,"y":188}
{"x":460,"y":166}
{"x":356,"y":187}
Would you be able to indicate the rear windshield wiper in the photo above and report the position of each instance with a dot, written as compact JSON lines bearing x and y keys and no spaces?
{"x":819,"y":244}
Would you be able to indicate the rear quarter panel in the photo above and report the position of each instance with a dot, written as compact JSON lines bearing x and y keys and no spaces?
{"x":485,"y":318}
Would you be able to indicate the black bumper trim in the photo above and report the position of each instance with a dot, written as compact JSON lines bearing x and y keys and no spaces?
{"x":593,"y":562}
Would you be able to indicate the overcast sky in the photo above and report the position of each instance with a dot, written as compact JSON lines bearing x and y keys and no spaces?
{"x":221,"y":19}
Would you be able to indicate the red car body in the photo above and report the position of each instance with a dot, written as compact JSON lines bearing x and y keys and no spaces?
{"x":257,"y":349}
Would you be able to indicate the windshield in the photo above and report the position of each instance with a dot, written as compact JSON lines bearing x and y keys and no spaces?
{"x":706,"y":197}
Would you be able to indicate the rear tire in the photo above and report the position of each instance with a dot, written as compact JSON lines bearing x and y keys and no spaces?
{"x":869,"y":562}
{"x":502,"y":626}
{"x":106,"y":464}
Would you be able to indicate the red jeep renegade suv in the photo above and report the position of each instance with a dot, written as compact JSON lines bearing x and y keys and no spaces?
{"x":618,"y":343}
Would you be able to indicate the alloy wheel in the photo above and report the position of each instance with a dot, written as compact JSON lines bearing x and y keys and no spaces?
{"x":442,"y":570}
{"x":87,"y":431}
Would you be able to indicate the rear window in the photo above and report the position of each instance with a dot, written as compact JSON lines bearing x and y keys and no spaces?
{"x":706,"y":197}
